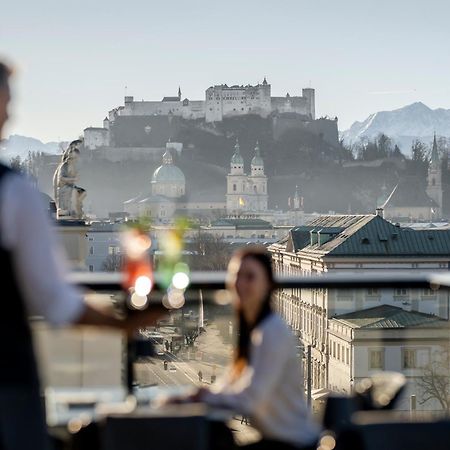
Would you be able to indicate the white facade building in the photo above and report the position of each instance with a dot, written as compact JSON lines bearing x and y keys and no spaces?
{"x":354,"y":244}
{"x":246,"y":192}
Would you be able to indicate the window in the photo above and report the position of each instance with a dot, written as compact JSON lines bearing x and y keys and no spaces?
{"x":91,"y":250}
{"x":345,"y":294}
{"x":347,"y":355}
{"x":376,"y":359}
{"x":409,"y":358}
{"x":91,"y":268}
{"x":371,"y":292}
{"x":234,"y":187}
{"x":428,"y":293}
{"x":403,"y":292}
{"x":113,"y":250}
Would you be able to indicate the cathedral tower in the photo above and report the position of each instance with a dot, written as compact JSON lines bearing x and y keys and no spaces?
{"x":236,"y":183}
{"x":434,"y":187}
{"x":258,"y":182}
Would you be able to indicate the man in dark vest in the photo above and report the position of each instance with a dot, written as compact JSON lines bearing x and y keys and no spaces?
{"x":33,"y":283}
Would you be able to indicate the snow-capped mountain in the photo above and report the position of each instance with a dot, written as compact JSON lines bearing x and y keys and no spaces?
{"x":17,"y":145}
{"x":415,"y":121}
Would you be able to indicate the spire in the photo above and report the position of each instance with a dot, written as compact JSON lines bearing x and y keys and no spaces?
{"x":298,"y":200}
{"x":257,"y":151}
{"x":237,"y":158}
{"x":434,"y":161}
{"x":265,"y":82}
{"x":179,"y":93}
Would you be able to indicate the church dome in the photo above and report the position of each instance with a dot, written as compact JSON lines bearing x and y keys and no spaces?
{"x":257,"y":160}
{"x":237,"y":159}
{"x":167,"y":172}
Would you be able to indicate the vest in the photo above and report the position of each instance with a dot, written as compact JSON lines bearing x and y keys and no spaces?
{"x":17,"y":361}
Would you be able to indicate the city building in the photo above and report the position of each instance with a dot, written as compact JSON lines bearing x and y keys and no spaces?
{"x":246,"y":192}
{"x":354,"y":244}
{"x":241,"y":230}
{"x":410,"y":200}
{"x":384,"y":338}
{"x":167,"y":197}
{"x":103,"y":246}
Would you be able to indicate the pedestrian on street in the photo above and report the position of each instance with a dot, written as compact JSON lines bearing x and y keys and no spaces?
{"x":200,"y":376}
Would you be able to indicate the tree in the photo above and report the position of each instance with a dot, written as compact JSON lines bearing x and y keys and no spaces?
{"x":419,"y":159}
{"x":435,"y":380}
{"x":17,"y":164}
{"x":113,"y":262}
{"x":210,"y":252}
{"x":384,"y":146}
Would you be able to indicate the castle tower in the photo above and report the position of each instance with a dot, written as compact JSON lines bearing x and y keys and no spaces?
{"x":258,"y":182}
{"x":310,"y":95}
{"x":236,"y":183}
{"x":434,"y":188}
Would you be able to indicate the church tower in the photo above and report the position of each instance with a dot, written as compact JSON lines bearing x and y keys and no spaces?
{"x":258,"y":182}
{"x":236,"y":183}
{"x":434,"y":188}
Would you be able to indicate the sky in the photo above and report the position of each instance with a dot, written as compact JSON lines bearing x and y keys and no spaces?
{"x":74,"y":60}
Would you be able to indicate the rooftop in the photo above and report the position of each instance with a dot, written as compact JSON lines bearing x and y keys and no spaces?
{"x":387,"y":316}
{"x":240,"y":223}
{"x":365,"y":236}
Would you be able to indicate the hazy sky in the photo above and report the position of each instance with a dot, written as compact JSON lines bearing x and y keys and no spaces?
{"x":74,"y":58}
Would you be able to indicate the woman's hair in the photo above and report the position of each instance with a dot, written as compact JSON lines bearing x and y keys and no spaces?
{"x":5,"y":73}
{"x":262,"y":256}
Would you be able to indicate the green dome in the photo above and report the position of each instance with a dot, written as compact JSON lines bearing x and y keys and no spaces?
{"x":168,"y":173}
{"x":257,"y":160}
{"x":237,"y":159}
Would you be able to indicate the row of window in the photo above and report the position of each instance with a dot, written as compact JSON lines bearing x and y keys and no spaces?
{"x":412,"y":358}
{"x":340,"y":352}
{"x":347,"y":294}
{"x":112,"y":250}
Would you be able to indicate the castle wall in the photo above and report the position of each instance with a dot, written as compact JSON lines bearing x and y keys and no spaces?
{"x":96,"y":137}
{"x":298,"y":105}
{"x":119,"y":154}
{"x":224,"y":101}
{"x":182,"y":108}
{"x":143,"y":131}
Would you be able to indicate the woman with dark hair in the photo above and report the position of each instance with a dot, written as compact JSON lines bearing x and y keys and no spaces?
{"x":264,"y":381}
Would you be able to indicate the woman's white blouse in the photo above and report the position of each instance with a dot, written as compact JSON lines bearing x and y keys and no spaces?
{"x":270,"y":389}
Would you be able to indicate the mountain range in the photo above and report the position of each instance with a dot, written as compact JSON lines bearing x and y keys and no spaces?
{"x":403,"y":125}
{"x":17,"y":145}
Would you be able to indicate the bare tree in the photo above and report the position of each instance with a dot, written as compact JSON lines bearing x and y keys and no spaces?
{"x":210,"y":252}
{"x":113,"y":263}
{"x":435,"y":380}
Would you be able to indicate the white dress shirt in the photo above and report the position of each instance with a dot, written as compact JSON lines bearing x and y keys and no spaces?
{"x":39,"y":264}
{"x":270,"y":389}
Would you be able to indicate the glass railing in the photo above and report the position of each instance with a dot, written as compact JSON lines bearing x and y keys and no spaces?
{"x":348,"y":330}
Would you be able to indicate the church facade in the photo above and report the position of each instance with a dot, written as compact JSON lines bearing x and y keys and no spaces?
{"x":246,"y":193}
